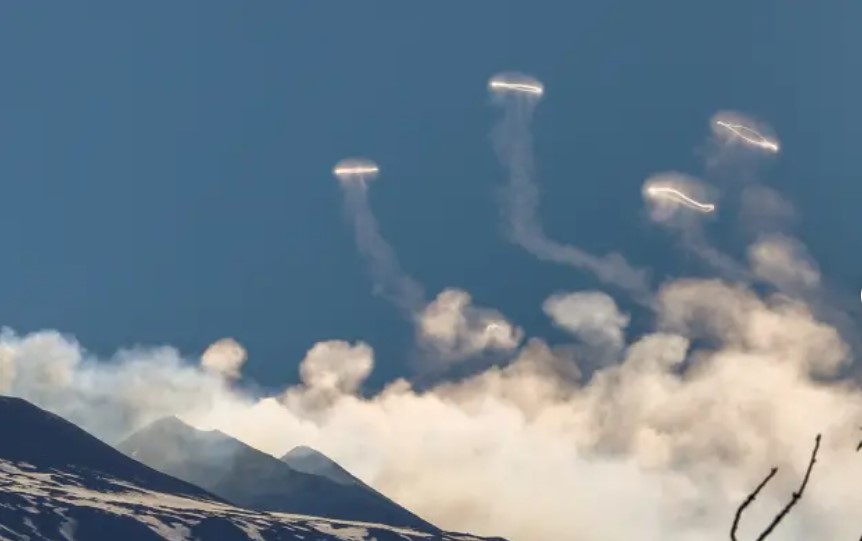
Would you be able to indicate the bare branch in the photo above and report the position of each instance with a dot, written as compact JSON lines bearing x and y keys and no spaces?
{"x":793,"y":499}
{"x":796,"y":495}
{"x":751,"y":497}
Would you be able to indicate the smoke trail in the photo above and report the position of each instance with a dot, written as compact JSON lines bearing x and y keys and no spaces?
{"x":450,"y":328}
{"x":390,"y":280}
{"x":518,"y":94}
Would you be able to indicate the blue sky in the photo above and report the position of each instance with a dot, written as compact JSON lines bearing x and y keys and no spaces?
{"x":166,"y":166}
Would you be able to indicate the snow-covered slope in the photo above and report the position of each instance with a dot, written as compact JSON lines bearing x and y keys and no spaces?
{"x":39,"y":505}
{"x":245,"y":476}
{"x":59,"y":483}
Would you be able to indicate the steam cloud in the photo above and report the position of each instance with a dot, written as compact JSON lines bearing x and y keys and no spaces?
{"x":672,"y":427}
{"x":456,"y":329}
{"x":671,"y":436}
{"x":224,"y":357}
{"x":594,"y":318}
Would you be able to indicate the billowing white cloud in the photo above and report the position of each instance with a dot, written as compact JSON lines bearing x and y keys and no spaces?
{"x":7,"y":368}
{"x":336,"y":365}
{"x":593,"y":317}
{"x":729,"y":384}
{"x":740,"y":320}
{"x":224,"y":357}
{"x":456,"y":329}
{"x":109,"y":397}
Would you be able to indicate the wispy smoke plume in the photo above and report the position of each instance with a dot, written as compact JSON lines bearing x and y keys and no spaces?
{"x":764,"y":210}
{"x":450,"y":327}
{"x":516,"y":94}
{"x":389,"y":279}
{"x":784,"y":262}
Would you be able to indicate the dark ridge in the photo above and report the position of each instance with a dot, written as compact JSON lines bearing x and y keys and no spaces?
{"x":255,"y":480}
{"x":47,"y":441}
{"x":308,"y":460}
{"x":50,"y":507}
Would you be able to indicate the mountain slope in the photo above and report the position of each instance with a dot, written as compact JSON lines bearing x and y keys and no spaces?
{"x":59,"y":483}
{"x":32,"y":435}
{"x":247,"y":477}
{"x":308,"y":460}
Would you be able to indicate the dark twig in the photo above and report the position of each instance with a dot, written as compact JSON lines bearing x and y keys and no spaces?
{"x":793,"y":499}
{"x":751,"y":497}
{"x":796,"y":495}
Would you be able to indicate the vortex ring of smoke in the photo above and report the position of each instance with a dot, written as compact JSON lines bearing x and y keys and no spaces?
{"x":676,"y":195}
{"x":346,"y":171}
{"x":355,"y":170}
{"x":755,"y":138}
{"x":529,"y":88}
